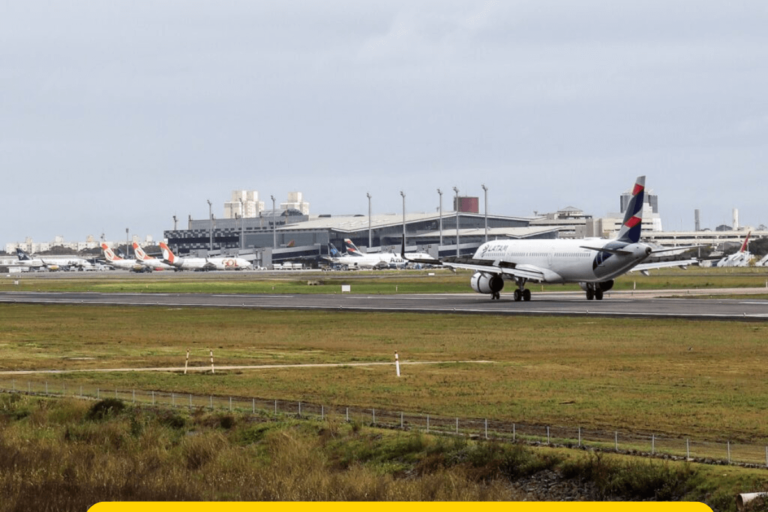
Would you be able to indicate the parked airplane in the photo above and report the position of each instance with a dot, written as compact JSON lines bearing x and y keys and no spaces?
{"x":152,"y":263}
{"x":203,"y":263}
{"x":121,"y":263}
{"x":393,"y":259}
{"x":740,"y":258}
{"x":592,"y":263}
{"x":356,"y":261}
{"x":51,"y":262}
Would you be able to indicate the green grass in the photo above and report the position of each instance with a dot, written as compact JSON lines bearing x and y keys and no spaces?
{"x":67,"y":455}
{"x":625,"y":374}
{"x":368,"y":283}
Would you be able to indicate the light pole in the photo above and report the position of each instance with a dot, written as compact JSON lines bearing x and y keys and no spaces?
{"x":127,"y":251}
{"x":455,"y":189}
{"x":370,"y":236}
{"x":441,"y":219}
{"x":210,"y":218}
{"x":242,"y":219}
{"x":274,"y":225}
{"x":485,"y":189}
{"x":403,"y":194}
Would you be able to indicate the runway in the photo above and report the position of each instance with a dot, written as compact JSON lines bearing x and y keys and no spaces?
{"x":615,"y":305}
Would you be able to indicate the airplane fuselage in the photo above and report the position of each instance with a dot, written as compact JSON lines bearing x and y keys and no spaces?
{"x":566,"y":261}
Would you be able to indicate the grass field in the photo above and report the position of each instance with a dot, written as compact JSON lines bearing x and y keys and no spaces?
{"x":442,"y":281}
{"x":68,"y":454}
{"x":704,"y":380}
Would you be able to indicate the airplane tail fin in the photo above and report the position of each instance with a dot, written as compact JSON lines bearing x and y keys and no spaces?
{"x":351,"y":248}
{"x":746,"y":241}
{"x":22,"y":255}
{"x":633,"y":217}
{"x":108,"y":253}
{"x":333,"y":250}
{"x":140,"y":254}
{"x":167,"y":253}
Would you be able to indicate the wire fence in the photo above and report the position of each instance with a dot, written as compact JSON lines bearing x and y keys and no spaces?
{"x":678,"y":448}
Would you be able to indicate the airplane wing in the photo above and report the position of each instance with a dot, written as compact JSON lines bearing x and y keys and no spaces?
{"x":644,"y":267}
{"x":530,"y":272}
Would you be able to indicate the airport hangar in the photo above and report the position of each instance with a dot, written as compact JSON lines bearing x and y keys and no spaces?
{"x":288,"y":235}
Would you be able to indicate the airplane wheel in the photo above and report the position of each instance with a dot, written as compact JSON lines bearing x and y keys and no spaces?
{"x":518,"y":296}
{"x":526,"y":295}
{"x":599,"y":294}
{"x":590,"y":294}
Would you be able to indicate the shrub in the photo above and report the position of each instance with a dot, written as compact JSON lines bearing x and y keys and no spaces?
{"x":105,"y":408}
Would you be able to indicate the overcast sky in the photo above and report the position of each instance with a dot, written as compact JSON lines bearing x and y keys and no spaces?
{"x":118,"y":114}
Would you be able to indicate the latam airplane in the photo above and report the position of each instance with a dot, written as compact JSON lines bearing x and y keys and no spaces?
{"x":740,"y":258}
{"x":203,"y":263}
{"x":593,"y":263}
{"x":151,"y":263}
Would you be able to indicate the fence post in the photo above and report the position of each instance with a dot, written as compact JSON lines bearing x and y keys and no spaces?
{"x":299,"y":409}
{"x":653,"y":444}
{"x":173,"y":399}
{"x":616,"y":440}
{"x":457,"y":425}
{"x":514,"y":432}
{"x":190,"y":400}
{"x":133,"y":395}
{"x":210,"y":401}
{"x":275,"y":407}
{"x":687,"y":448}
{"x":374,"y":416}
{"x":46,"y":388}
{"x":579,"y":436}
{"x":347,"y":414}
{"x":486,"y":428}
{"x":427,"y":423}
{"x":29,"y":387}
{"x":322,"y":413}
{"x":402,"y":427}
{"x":729,"y":451}
{"x":548,"y":436}
{"x":81,"y":391}
{"x":253,"y":406}
{"x":153,"y":398}
{"x":230,"y":404}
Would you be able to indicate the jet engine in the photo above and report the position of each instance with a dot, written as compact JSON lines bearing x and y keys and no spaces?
{"x":486,"y":283}
{"x":602,"y":285}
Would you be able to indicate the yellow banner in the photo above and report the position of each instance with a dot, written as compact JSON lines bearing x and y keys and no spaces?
{"x":409,"y":506}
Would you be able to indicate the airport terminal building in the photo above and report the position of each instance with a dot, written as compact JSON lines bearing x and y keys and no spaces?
{"x":285,"y":234}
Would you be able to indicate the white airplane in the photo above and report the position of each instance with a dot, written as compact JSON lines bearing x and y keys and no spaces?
{"x":203,"y":263}
{"x":118,"y":262}
{"x":51,"y":262}
{"x":151,"y":263}
{"x":593,"y":263}
{"x":354,"y":258}
{"x":740,"y":258}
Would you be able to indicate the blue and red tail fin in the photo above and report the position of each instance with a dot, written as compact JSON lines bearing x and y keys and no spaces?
{"x":351,"y":248}
{"x":633,"y":217}
{"x":745,"y":244}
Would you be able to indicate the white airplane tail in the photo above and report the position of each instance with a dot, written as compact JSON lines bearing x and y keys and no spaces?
{"x":108,"y":253}
{"x":140,"y":254}
{"x":167,"y":253}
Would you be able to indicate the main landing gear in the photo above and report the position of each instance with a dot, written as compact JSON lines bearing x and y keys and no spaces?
{"x":594,"y":293}
{"x":522,"y":293}
{"x":496,"y":296}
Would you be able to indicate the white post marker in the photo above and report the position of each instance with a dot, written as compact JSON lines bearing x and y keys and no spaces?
{"x":186,"y":363}
{"x":397,"y":363}
{"x":212,"y":370}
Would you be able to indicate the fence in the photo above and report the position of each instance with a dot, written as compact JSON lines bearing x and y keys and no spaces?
{"x":713,"y":452}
